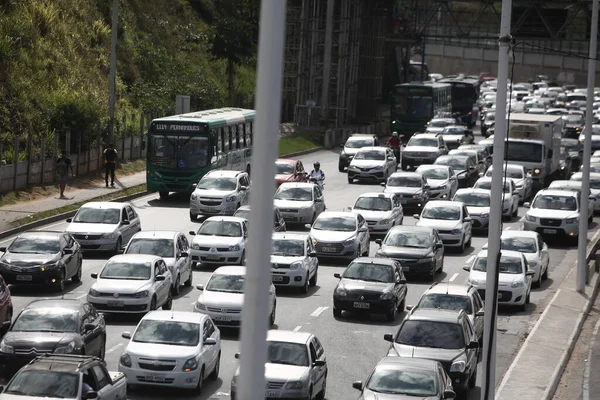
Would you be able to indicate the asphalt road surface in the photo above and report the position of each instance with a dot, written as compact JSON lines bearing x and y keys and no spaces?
{"x":352,"y":345}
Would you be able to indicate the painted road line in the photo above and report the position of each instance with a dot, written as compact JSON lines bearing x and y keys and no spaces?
{"x":81,"y":296}
{"x":318,"y":311}
{"x":115,"y":347}
{"x":296,"y":329}
{"x":453,"y":277}
{"x":586,"y":372}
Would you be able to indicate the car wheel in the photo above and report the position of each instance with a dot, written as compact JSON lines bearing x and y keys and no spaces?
{"x":473,"y":379}
{"x":350,"y":180}
{"x":273,"y":314}
{"x":118,"y":246}
{"x":200,"y":381}
{"x":391,"y":314}
{"x":193,"y":217}
{"x":102,"y":351}
{"x":176,"y":289}
{"x":77,"y":277}
{"x":169,"y":303}
{"x":313,"y":280}
{"x":306,"y":285}
{"x":153,"y":304}
{"x":431,"y":275}
{"x":538,"y":283}
{"x":215,"y":373}
{"x":528,"y":298}
{"x":523,"y":307}
{"x":402,"y":305}
{"x":341,"y":167}
{"x":463,"y":245}
{"x":322,"y":393}
{"x":591,"y":217}
{"x":337,"y":313}
{"x":188,"y":283}
{"x":545,"y":275}
{"x":60,"y":283}
{"x":163,"y":195}
{"x":243,"y":257}
{"x":366,"y":252}
{"x":468,"y":244}
{"x":516,"y":211}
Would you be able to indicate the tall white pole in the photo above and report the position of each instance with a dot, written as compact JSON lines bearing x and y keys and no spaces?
{"x":491,"y":289}
{"x":255,"y":313}
{"x":113,"y":71}
{"x":587,"y":150}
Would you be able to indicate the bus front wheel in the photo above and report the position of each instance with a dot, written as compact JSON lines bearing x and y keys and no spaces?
{"x":163,"y":195}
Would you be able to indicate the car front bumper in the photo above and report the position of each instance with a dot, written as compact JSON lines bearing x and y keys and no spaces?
{"x":120,"y":305}
{"x":25,"y":276}
{"x":507,"y":295}
{"x":101,"y":244}
{"x":371,"y":174}
{"x":336,"y":250}
{"x":216,"y":257}
{"x":197,"y":207}
{"x":363,"y":306}
{"x":290,"y":277}
{"x":451,"y":239}
{"x":178,"y":379}
{"x":297,"y":216}
{"x":564,"y":229}
{"x":480,"y":223}
{"x":222,"y":316}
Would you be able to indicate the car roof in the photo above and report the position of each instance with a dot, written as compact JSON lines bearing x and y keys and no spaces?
{"x":506,"y":253}
{"x":41,"y":233}
{"x":406,"y":174}
{"x":509,"y":166}
{"x":564,"y":182}
{"x":297,"y":184}
{"x":69,"y":363}
{"x":72,"y":304}
{"x":374,"y":260}
{"x":409,"y":362}
{"x":444,"y":203}
{"x":449,"y":156}
{"x":286,"y":160}
{"x":277,"y":335}
{"x":134,"y":258}
{"x":553,"y":192}
{"x":114,"y":205}
{"x":336,"y":214}
{"x":595,"y":175}
{"x":231,"y":270}
{"x":226,"y":218}
{"x":156,"y":235}
{"x":226,"y":173}
{"x":443,"y":119}
{"x":462,"y":127}
{"x":378,"y":148}
{"x":362,"y":135}
{"x":450,"y":288}
{"x":177,"y":316}
{"x":433,"y":166}
{"x":426,"y":135}
{"x":474,"y":190}
{"x":519,"y":233}
{"x":377,"y":194}
{"x":290,"y":235}
{"x":459,"y":151}
{"x":434,"y":314}
{"x":411,"y":228}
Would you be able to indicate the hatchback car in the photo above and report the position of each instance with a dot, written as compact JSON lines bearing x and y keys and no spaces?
{"x":172,"y":247}
{"x":372,"y":164}
{"x":294,"y":261}
{"x":104,"y":226}
{"x":452,"y":221}
{"x":340,"y":235}
{"x":42,"y":258}
{"x":173,"y":349}
{"x":296,"y":367}
{"x":351,"y":147}
{"x":381,"y":210}
{"x":219,"y":192}
{"x":411,"y":186}
{"x":288,"y":170}
{"x":300,"y":203}
{"x":419,"y":250}
{"x":478,"y":206}
{"x":371,"y":286}
{"x":442,"y":180}
{"x":521,"y":178}
{"x":465,"y":167}
{"x":510,"y":195}
{"x":554,"y":213}
{"x":220,"y":240}
{"x":422,"y":149}
{"x":279,"y":224}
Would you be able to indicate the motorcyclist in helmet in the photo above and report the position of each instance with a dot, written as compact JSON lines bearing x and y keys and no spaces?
{"x":395,"y":142}
{"x":317,"y":174}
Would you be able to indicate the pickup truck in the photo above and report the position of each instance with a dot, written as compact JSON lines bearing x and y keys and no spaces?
{"x":67,"y":377}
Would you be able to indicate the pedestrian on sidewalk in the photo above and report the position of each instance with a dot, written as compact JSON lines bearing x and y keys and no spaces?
{"x":110,"y":162}
{"x":63,"y":165}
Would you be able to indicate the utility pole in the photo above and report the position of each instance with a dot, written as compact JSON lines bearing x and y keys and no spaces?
{"x":255,"y":314}
{"x":327,"y":62}
{"x":495,"y":231}
{"x":587,"y":150}
{"x":113,"y":71}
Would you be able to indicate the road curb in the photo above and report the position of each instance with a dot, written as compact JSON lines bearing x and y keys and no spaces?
{"x":303,"y":152}
{"x":58,"y":217}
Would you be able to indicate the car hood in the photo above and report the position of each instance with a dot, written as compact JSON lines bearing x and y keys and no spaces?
{"x":331,"y":236}
{"x":120,"y":286}
{"x":285,"y":259}
{"x":292,"y":204}
{"x":404,"y":190}
{"x":80,"y":227}
{"x":552,"y":214}
{"x":478,"y":210}
{"x":221,"y":299}
{"x":405,"y":252}
{"x":369,"y":395}
{"x":420,"y":149}
{"x":371,"y":215}
{"x":152,"y":350}
{"x":451,"y":138}
{"x":435,"y":183}
{"x":216,"y":241}
{"x":280,"y":178}
{"x":25,"y":260}
{"x":439,"y":224}
{"x":503,"y":278}
{"x":41,"y":341}
{"x":216,"y":194}
{"x":366,"y":163}
{"x":434,"y":129}
{"x":442,"y":355}
{"x":282,"y":372}
{"x":357,"y":285}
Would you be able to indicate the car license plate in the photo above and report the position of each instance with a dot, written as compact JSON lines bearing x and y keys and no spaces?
{"x":26,"y":278}
{"x":271,"y":394}
{"x":358,"y":304}
{"x":222,"y":318}
{"x":277,"y":278}
{"x":114,"y":303}
{"x":329,"y":249}
{"x":550,"y":231}
{"x":156,"y":378}
{"x":405,"y":268}
{"x":213,"y":257}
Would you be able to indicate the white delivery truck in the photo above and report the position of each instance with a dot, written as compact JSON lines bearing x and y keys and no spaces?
{"x":534,"y":142}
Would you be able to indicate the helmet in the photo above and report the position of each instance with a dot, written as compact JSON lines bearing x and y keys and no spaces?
{"x":317,"y":164}
{"x":395,"y":134}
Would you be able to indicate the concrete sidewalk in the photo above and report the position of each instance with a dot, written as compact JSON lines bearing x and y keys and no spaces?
{"x":14,"y":212}
{"x":538,"y":366}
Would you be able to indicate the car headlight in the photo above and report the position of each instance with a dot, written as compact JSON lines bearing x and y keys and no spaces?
{"x":426,"y":260}
{"x":296,"y":265}
{"x":94,"y":293}
{"x":5,"y":348}
{"x":517,"y":284}
{"x":190,"y":365}
{"x":235,"y":247}
{"x":125,"y":360}
{"x":458,"y":366}
{"x":52,"y":265}
{"x":341,"y":292}
{"x":294,"y":385}
{"x":193,"y":197}
{"x":111,"y":235}
{"x":485,"y":215}
{"x":536,"y":171}
{"x":441,"y":187}
{"x":572,"y":220}
{"x":377,"y":167}
{"x":456,"y":231}
{"x":530,"y":218}
{"x":386,"y":296}
{"x":199,"y":306}
{"x":473,"y":281}
{"x":195,"y":246}
{"x":385,"y":222}
{"x":68,"y":349}
{"x":230,"y":199}
{"x":142,"y":294}
{"x":315,"y":241}
{"x":350,"y":241}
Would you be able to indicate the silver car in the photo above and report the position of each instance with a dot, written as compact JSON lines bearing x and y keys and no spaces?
{"x":442,"y":180}
{"x":478,"y":206}
{"x":510,"y":196}
{"x":554,"y":213}
{"x":219,"y":192}
{"x":299,"y":202}
{"x":575,"y":186}
{"x":372,"y":163}
{"x":296,"y":367}
{"x":294,"y":261}
{"x":521,"y":177}
{"x":340,"y":235}
{"x":381,"y":210}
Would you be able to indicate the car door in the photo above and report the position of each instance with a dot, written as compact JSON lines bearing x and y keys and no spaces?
{"x":4,"y":296}
{"x":125,"y":226}
{"x":244,"y":194}
{"x":399,"y":288}
{"x":67,"y":257}
{"x":187,"y":259}
{"x":88,"y":336}
{"x":515,"y":194}
{"x":425,"y":188}
{"x":364,"y":235}
{"x":453,"y":181}
{"x":467,"y":225}
{"x":162,"y":287}
{"x":544,"y":252}
{"x":180,"y":261}
{"x":104,"y":386}
{"x":472,"y":354}
{"x":317,"y":372}
{"x":477,"y":306}
{"x":319,"y":200}
{"x":211,"y":352}
{"x":528,"y":278}
{"x":134,"y":221}
{"x":313,"y":261}
{"x":397,"y":211}
{"x":438,"y":246}
{"x":279,"y":221}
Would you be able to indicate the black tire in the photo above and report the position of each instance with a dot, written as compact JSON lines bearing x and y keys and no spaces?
{"x":469,"y":241}
{"x":431,"y":275}
{"x":516,"y":212}
{"x":193,"y":217}
{"x":391,"y":315}
{"x":404,"y":166}
{"x":243,"y":258}
{"x":463,"y":246}
{"x":321,"y":395}
{"x":60,"y":284}
{"x":118,"y":246}
{"x":304,"y":288}
{"x":169,"y":303}
{"x":350,"y":180}
{"x":214,"y":375}
{"x":273,"y":315}
{"x":341,"y":167}
{"x":523,"y":307}
{"x":313,"y":280}
{"x":176,"y":289}
{"x":538,"y":283}
{"x":402,"y":305}
{"x":153,"y":304}
{"x":77,"y":277}
{"x":337,"y":313}
{"x":365,"y":253}
{"x":528,"y":299}
{"x":102,"y":352}
{"x":190,"y":280}
{"x":473,"y":379}
{"x":200,"y":381}
{"x":163,"y":195}
{"x":545,"y":275}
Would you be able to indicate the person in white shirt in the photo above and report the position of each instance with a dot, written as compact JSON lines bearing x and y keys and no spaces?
{"x":317,"y":174}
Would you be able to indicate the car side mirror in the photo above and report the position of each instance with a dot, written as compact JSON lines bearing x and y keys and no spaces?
{"x":452,"y":178}
{"x":480,"y":313}
{"x":243,"y":187}
{"x":416,"y":216}
{"x":194,"y":186}
{"x":383,"y":184}
{"x":319,"y":363}
{"x":69,"y":219}
{"x":183,"y":254}
{"x":471,"y":168}
{"x":527,"y":204}
{"x":473,"y":345}
{"x":336,"y":275}
{"x":592,"y":198}
{"x":388,"y":337}
{"x":530,"y":273}
{"x":159,"y":278}
{"x":342,"y":146}
{"x":427,"y":187}
{"x":358,"y":385}
{"x":6,"y":325}
{"x":363,"y":230}
{"x":439,"y":246}
{"x":516,"y":192}
{"x":467,"y":268}
{"x":307,"y":226}
{"x":312,"y":254}
{"x":210,"y":341}
{"x":89,"y":327}
{"x":319,"y":200}
{"x":94,"y":276}
{"x":192,"y":233}
{"x":379,"y":242}
{"x":236,"y":356}
{"x":468,"y":219}
{"x":200,"y":287}
{"x":449,"y":394}
{"x":90,"y":395}
{"x":126,"y":335}
{"x":125,"y":222}
{"x":67,"y":251}
{"x":401,"y":281}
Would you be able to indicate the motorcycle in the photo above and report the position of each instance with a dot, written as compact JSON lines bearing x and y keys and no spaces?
{"x":318,"y":182}
{"x":396,"y":153}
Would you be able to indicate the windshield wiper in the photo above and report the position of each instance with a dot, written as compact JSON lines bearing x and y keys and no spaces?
{"x":52,"y":395}
{"x":412,"y":246}
{"x":283,"y":362}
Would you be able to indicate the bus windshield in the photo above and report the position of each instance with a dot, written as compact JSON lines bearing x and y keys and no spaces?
{"x":463,"y":96}
{"x":413,"y":106}
{"x":184,"y":152}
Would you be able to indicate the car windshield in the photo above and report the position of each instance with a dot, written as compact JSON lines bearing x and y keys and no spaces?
{"x":287,"y":247}
{"x":35,"y":244}
{"x":415,"y":240}
{"x":217,"y":183}
{"x":294,"y":193}
{"x":287,"y":353}
{"x":156,"y":247}
{"x":358,"y":143}
{"x":284,"y":168}
{"x":439,"y":335}
{"x":487,"y":185}
{"x":439,"y":123}
{"x":434,"y":173}
{"x":508,"y":265}
{"x":473,"y":199}
{"x":522,"y":244}
{"x":453,"y":131}
{"x":375,"y":155}
{"x":573,"y":119}
{"x":167,"y":332}
{"x":369,"y":272}
{"x":421,"y":141}
{"x":51,"y":319}
{"x":373,"y":203}
{"x":555,"y":202}
{"x":405,"y":181}
{"x":226,"y":283}
{"x":410,"y":382}
{"x":44,"y":383}
{"x":446,"y":302}
{"x":89,"y":215}
{"x":242,"y":213}
{"x":220,"y":228}
{"x":446,"y":213}
{"x":458,"y":163}
{"x":594,"y":184}
{"x":134,"y":271}
{"x":565,"y":186}
{"x":339,"y":224}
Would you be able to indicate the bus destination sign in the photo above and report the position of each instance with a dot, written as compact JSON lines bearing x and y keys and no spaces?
{"x":414,"y":90}
{"x":168,"y":127}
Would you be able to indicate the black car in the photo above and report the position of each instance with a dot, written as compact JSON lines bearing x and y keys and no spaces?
{"x":465,"y":167}
{"x":61,"y":326}
{"x":371,"y":286}
{"x":419,"y":250}
{"x":42,"y":258}
{"x":404,"y":378}
{"x":442,"y":335}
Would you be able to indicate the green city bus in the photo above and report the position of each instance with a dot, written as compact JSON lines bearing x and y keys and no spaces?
{"x":183,"y":148}
{"x":413,"y":105}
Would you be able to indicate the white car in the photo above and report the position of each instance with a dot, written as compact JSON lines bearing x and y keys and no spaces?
{"x":222,"y":298}
{"x":442,"y":180}
{"x":510,"y":201}
{"x":172,"y":247}
{"x":594,"y":186}
{"x":219,"y":192}
{"x":381,"y":210}
{"x":452,"y":221}
{"x":575,"y":186}
{"x":294,"y":261}
{"x":554,"y":213}
{"x":533,"y":247}
{"x":521,"y":177}
{"x":104,"y":226}
{"x":132,"y":283}
{"x":173,"y":349}
{"x":514,"y":281}
{"x":220,"y":240}
{"x":372,"y":163}
{"x":478,"y":205}
{"x":437,"y":125}
{"x":340,"y":235}
{"x":299,"y":202}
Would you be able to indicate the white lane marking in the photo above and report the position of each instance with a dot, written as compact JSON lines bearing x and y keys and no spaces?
{"x":470,"y":259}
{"x":222,"y":394}
{"x":115,"y":347}
{"x":318,"y":311}
{"x":507,"y":228}
{"x":453,"y":277}
{"x":296,"y":329}
{"x":586,"y":372}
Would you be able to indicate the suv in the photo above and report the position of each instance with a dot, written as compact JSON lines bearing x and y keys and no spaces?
{"x":454,"y":296}
{"x":423,"y":148}
{"x":554,"y":213}
{"x":441,"y":335}
{"x":219,"y":193}
{"x":353,"y":144}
